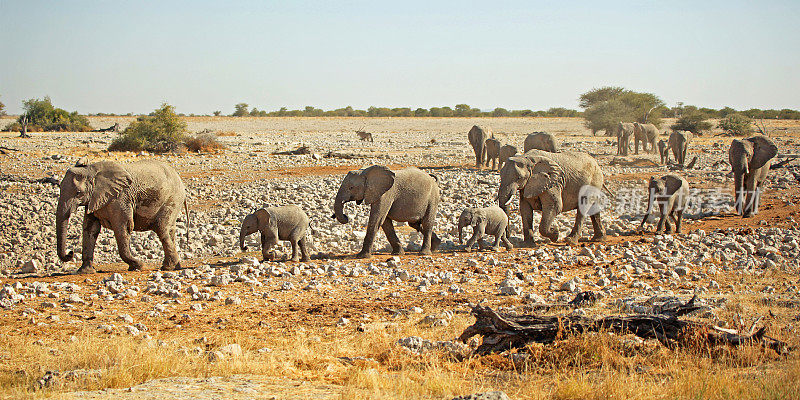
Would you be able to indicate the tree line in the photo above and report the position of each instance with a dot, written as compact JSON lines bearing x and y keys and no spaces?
{"x":460,"y":110}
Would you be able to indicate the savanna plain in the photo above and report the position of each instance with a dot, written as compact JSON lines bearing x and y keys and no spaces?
{"x":228,"y":325}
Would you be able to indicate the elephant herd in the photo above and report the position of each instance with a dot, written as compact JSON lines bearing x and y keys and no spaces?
{"x":149,"y":195}
{"x":647,"y":134}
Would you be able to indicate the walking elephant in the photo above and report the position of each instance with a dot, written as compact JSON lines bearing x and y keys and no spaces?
{"x":477,"y":139}
{"x":750,"y":159}
{"x":408,"y":195}
{"x":551,"y":183}
{"x":540,"y":141}
{"x":671,"y":192}
{"x":645,"y":133}
{"x":624,"y":133}
{"x":142,"y":196}
{"x":679,"y":144}
{"x":492,"y":152}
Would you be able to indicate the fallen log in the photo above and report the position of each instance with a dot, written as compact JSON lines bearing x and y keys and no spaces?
{"x":503,"y":332}
{"x":5,"y":150}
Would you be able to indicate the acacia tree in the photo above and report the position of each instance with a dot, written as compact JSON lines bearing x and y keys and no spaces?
{"x":607,"y":106}
{"x":240,"y":110}
{"x":2,"y":109}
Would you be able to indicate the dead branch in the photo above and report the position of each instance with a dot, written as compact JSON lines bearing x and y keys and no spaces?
{"x":502,"y":332}
{"x":298,"y":151}
{"x":5,"y":150}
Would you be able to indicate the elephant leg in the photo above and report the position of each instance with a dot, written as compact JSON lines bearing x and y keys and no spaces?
{"x":122,"y":233}
{"x":597,"y":226}
{"x":91,"y":228}
{"x":635,"y":146}
{"x":303,"y":250}
{"x":391,"y":235}
{"x":551,"y":207}
{"x":473,"y":239}
{"x":678,"y":221}
{"x":573,"y":236}
{"x":295,"y":252}
{"x":171,"y":258}
{"x":661,"y":221}
{"x":376,"y":218}
{"x":526,"y":212}
{"x":430,"y":241}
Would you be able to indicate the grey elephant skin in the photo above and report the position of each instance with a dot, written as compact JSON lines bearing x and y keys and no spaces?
{"x":550,"y":183}
{"x":142,"y":196}
{"x":492,"y":152}
{"x":540,"y":141}
{"x":477,"y":139}
{"x":624,"y":132}
{"x":663,"y":151}
{"x":750,"y":159}
{"x":506,"y":152}
{"x":645,"y":133}
{"x":487,"y":220}
{"x":277,"y":223}
{"x":672,"y":193}
{"x":407,"y":195}
{"x":679,"y":144}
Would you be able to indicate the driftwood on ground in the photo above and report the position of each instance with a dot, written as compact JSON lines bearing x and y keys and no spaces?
{"x":502,"y":332}
{"x":112,"y":128}
{"x":5,"y":150}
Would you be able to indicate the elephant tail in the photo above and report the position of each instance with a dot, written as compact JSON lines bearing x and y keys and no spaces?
{"x":610,"y":193}
{"x":186,"y":210}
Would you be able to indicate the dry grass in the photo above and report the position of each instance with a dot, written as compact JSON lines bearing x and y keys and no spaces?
{"x":587,"y":367}
{"x":204,"y":142}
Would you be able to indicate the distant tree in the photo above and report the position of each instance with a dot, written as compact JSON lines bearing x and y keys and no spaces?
{"x":2,"y":108}
{"x":240,"y":110}
{"x":787,"y":113}
{"x":41,"y":115}
{"x":607,"y":106}
{"x":500,"y":112}
{"x":217,"y":113}
{"x":462,"y":110}
{"x":421,"y":112}
{"x":736,"y":124}
{"x":694,"y":121}
{"x":723,"y":112}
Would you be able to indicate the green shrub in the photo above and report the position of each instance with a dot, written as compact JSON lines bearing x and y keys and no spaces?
{"x":736,"y":124}
{"x":240,"y":110}
{"x":2,"y":109}
{"x":42,"y":116}
{"x":694,"y":122}
{"x":160,"y":132}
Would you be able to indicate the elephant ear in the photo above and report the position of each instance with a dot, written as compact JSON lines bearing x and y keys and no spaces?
{"x":545,"y":175}
{"x":109,"y":181}
{"x":763,"y":151}
{"x":263,"y":217}
{"x":378,"y":180}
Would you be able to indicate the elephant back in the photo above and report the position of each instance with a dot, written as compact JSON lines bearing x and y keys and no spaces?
{"x":578,"y":168}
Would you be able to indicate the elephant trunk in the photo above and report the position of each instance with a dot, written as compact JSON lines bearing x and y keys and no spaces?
{"x":504,"y":194}
{"x":739,"y":172}
{"x":461,"y":226}
{"x":650,"y":203}
{"x":338,"y":206}
{"x":64,"y":210}
{"x":242,"y":236}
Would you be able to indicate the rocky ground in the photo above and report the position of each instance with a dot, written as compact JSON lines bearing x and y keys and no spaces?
{"x":737,"y":267}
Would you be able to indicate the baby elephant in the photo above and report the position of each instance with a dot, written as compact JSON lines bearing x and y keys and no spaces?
{"x":663,"y":151}
{"x":489,"y":220}
{"x":277,"y":223}
{"x":672,"y":193}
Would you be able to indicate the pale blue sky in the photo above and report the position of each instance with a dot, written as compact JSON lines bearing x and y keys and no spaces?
{"x":201,"y":56}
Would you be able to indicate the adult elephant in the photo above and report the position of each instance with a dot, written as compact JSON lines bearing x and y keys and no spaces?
{"x":142,"y":196}
{"x":645,"y":133}
{"x":477,"y":138}
{"x":679,"y":144}
{"x":408,"y":195}
{"x":551,"y":183}
{"x":750,"y":159}
{"x":624,"y":132}
{"x":540,"y":141}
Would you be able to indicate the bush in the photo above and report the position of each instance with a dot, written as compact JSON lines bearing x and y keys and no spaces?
{"x":2,"y":109}
{"x":240,"y":110}
{"x":694,"y":122}
{"x":42,"y":116}
{"x":204,"y":142}
{"x":736,"y":124}
{"x":160,"y":132}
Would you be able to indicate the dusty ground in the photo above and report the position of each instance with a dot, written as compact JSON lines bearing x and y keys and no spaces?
{"x":294,"y":340}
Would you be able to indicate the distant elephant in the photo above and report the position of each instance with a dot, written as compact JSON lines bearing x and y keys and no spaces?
{"x":540,"y":141}
{"x":679,"y":143}
{"x":408,"y":195}
{"x":142,"y":196}
{"x":663,"y":151}
{"x":551,"y":183}
{"x":492,"y":152}
{"x":506,"y":152}
{"x":277,"y":223}
{"x":645,"y":133}
{"x":750,"y":159}
{"x":477,"y":138}
{"x":624,"y":132}
{"x":672,"y":193}
{"x":488,"y":220}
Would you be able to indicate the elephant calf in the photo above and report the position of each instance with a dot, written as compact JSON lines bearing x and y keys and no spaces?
{"x":277,"y":223}
{"x":506,"y":152}
{"x":672,"y":193}
{"x":492,"y":152}
{"x":488,"y":220}
{"x":663,"y":151}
